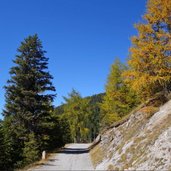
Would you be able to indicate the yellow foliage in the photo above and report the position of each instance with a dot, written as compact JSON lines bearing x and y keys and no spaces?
{"x":150,"y":55}
{"x":149,"y":111}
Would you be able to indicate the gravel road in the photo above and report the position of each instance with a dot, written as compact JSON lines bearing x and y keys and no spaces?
{"x":72,"y":157}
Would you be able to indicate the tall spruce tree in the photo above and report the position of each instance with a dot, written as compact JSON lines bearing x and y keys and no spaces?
{"x":150,"y":54}
{"x":28,"y":101}
{"x":2,"y":147}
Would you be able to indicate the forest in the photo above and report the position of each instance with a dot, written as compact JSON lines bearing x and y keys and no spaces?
{"x":32,"y":124}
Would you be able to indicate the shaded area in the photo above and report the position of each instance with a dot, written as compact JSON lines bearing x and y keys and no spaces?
{"x":45,"y":164}
{"x":81,"y":150}
{"x":74,"y":150}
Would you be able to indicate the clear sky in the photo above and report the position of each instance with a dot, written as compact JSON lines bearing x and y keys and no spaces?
{"x":81,"y":37}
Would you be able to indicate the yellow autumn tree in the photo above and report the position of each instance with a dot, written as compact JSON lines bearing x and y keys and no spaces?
{"x":119,"y":99}
{"x":150,"y":54}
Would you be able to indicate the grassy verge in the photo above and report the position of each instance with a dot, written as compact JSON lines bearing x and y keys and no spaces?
{"x":97,"y":155}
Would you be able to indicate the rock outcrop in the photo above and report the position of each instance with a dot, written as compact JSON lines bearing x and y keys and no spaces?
{"x":142,"y":142}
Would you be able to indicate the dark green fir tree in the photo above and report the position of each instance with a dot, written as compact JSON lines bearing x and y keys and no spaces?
{"x":28,"y":98}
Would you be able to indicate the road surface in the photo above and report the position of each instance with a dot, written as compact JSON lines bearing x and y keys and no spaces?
{"x":72,"y":157}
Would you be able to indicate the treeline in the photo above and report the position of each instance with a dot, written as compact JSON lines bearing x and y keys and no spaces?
{"x":32,"y":124}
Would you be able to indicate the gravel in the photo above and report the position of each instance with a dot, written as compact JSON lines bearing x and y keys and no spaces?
{"x":73,"y":157}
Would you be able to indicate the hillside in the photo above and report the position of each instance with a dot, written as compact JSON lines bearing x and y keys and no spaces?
{"x":142,"y":142}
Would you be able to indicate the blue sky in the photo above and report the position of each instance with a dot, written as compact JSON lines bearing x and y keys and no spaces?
{"x":81,"y":37}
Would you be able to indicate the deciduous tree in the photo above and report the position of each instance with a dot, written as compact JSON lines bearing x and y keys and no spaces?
{"x":150,"y":55}
{"x":119,"y":98}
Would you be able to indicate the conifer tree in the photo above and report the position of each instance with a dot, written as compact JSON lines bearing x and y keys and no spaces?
{"x":28,"y":101}
{"x":12,"y":145}
{"x":150,"y":54}
{"x":31,"y":151}
{"x":94,"y":109}
{"x":2,"y":147}
{"x":76,"y":110}
{"x":119,"y":98}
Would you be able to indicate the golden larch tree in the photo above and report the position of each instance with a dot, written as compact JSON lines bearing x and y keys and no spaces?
{"x":119,"y":99}
{"x":150,"y":55}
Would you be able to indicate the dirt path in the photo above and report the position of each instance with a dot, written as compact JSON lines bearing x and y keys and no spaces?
{"x":73,"y":157}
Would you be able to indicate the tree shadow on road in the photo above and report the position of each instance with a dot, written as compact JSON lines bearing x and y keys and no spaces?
{"x":46,"y":164}
{"x":73,"y":151}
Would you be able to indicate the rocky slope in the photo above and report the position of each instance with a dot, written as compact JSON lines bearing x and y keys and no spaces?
{"x":143,"y":142}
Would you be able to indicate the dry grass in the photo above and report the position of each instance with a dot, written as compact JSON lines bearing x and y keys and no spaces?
{"x":149,"y":111}
{"x":112,"y":168}
{"x":122,"y":120}
{"x":97,"y":155}
{"x":37,"y":164}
